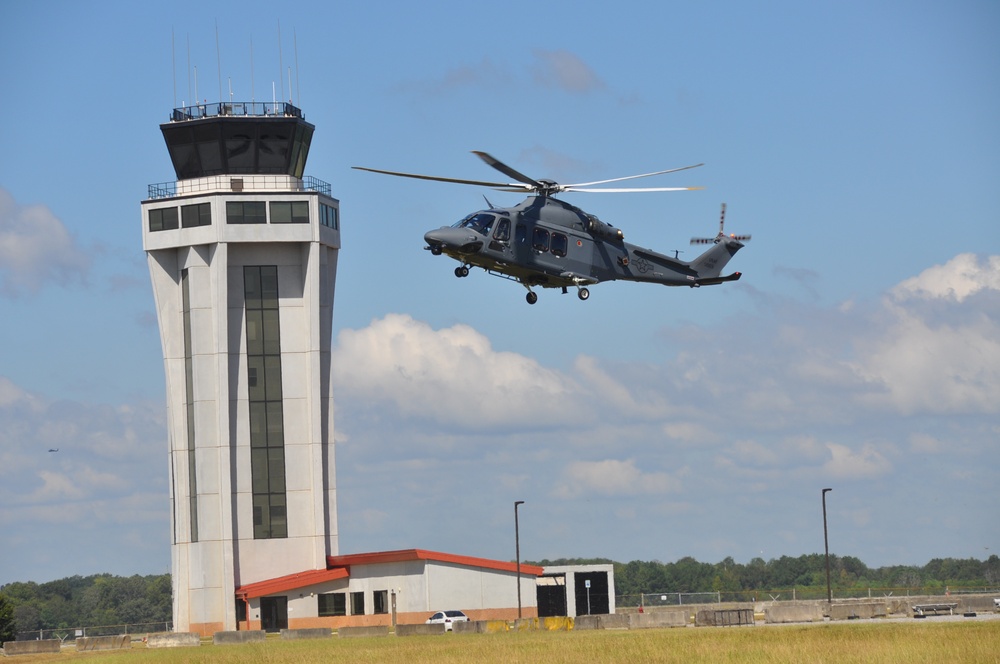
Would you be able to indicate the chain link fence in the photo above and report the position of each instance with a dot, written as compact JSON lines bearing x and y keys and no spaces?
{"x":71,"y":633}
{"x":789,"y":594}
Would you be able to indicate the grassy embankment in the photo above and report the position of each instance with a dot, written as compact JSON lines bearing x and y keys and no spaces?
{"x":910,"y":642}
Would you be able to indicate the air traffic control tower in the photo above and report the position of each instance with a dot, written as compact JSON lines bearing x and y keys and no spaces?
{"x":242,"y":252}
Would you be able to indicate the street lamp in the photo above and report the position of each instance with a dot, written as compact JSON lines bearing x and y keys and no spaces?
{"x":826,"y":544}
{"x":517,"y":551}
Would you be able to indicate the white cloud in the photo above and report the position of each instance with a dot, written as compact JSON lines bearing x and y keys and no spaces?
{"x":35,"y":249}
{"x":612,"y":477}
{"x":846,"y":463}
{"x":962,"y":276}
{"x":484,"y":74}
{"x":948,"y":363}
{"x":450,"y":376}
{"x":564,"y":70}
{"x":103,"y":452}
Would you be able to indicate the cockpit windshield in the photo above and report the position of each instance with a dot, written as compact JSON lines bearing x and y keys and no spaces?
{"x":481,"y":222}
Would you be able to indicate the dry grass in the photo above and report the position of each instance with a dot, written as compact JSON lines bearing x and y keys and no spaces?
{"x":889,"y":641}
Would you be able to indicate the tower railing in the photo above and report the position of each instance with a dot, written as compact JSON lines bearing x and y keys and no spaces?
{"x":257,"y":109}
{"x":237,"y":182}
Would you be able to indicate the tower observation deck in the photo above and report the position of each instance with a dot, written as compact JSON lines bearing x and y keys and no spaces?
{"x":242,"y":253}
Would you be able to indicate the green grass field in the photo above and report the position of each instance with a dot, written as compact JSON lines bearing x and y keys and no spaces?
{"x":889,"y":641}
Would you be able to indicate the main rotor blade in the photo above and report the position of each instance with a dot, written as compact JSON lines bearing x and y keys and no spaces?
{"x":632,"y":177}
{"x":436,"y":178}
{"x":574,"y":188}
{"x":507,"y":170}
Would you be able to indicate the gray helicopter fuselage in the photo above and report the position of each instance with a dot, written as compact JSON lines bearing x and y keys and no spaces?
{"x":549,"y":243}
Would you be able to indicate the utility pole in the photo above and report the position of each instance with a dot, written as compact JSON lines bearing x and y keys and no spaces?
{"x":517,"y":551}
{"x":826,"y":544}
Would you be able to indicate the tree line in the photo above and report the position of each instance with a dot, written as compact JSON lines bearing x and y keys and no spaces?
{"x":83,"y":601}
{"x":103,"y":599}
{"x":687,"y":575}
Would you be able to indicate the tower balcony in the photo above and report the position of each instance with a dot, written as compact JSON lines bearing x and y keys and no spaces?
{"x":238,"y":183}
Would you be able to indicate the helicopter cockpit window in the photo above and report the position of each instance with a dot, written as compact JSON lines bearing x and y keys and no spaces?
{"x":480,"y":222}
{"x":502,"y":233}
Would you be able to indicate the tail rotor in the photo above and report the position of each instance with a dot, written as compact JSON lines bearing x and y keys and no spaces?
{"x":722,"y":233}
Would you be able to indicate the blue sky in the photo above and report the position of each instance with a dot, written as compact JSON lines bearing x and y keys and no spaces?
{"x":858,"y":142}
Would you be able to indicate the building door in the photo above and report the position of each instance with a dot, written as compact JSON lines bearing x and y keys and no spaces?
{"x":551,"y":595}
{"x":592,"y":593}
{"x":273,"y":613}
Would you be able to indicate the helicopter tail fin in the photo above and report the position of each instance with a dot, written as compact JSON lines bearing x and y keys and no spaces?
{"x":709,"y":265}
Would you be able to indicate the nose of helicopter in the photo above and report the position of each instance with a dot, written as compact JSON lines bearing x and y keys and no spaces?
{"x":447,"y":237}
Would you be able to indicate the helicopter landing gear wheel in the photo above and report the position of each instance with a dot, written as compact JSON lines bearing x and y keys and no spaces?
{"x":436,"y":250}
{"x":531,"y":297}
{"x":583,"y":294}
{"x":461,"y":271}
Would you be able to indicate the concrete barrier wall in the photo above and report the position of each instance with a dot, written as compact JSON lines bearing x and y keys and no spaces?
{"x":858,"y":610}
{"x":173,"y":640}
{"x":371,"y":630}
{"x":306,"y":633}
{"x":604,"y":621}
{"x":85,"y":643}
{"x":470,"y":627}
{"x":422,"y":629}
{"x":675,"y":618}
{"x":793,"y":613}
{"x":31,"y":647}
{"x":481,"y":627}
{"x":233,"y":638}
{"x":556,"y":623}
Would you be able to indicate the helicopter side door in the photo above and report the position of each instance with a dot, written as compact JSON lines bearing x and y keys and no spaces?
{"x":499,"y":245}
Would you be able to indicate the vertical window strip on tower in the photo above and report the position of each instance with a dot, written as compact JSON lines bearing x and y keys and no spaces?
{"x":267,"y":431}
{"x":189,"y":405}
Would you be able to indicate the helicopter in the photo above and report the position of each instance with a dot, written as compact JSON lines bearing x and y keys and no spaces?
{"x":545,"y":242}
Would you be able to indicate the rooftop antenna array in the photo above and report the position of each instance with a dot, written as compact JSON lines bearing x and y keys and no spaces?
{"x":173,"y":63}
{"x":281,"y":64}
{"x":218,"y":60}
{"x":294,"y":96}
{"x":188,"y":37}
{"x":298,"y":88}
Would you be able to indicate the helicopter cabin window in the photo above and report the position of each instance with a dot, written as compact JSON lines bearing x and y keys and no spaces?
{"x":502,"y":233}
{"x":540,"y":240}
{"x":480,"y":222}
{"x":559,"y":245}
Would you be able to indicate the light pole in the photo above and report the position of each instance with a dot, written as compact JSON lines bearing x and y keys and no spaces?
{"x":517,"y":552}
{"x":826,"y":544}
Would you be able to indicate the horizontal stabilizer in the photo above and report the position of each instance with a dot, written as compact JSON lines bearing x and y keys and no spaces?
{"x":712,"y":281}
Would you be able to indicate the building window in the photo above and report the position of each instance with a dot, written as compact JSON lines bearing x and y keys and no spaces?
{"x":267,"y":428}
{"x":246,"y":212}
{"x":163,"y":219}
{"x":358,"y":603}
{"x":189,"y":404}
{"x":380,"y":601}
{"x":199,"y":214}
{"x":328,"y":216}
{"x":289,"y":212}
{"x":332,"y":604}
